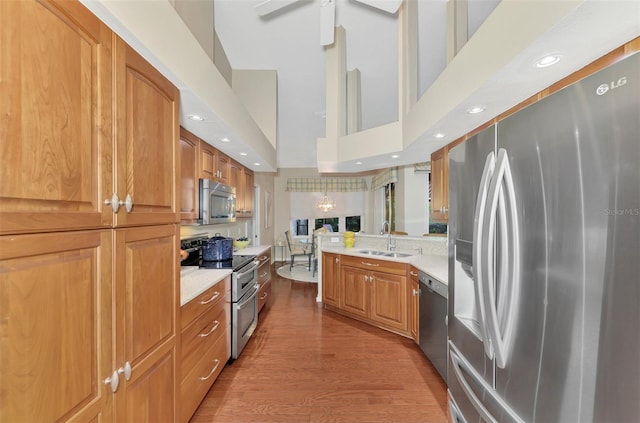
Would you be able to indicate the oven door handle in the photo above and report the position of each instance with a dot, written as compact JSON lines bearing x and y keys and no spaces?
{"x":251,"y":297}
{"x":251,"y":269}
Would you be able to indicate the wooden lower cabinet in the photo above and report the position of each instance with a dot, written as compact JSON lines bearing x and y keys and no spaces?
{"x":377,"y":296}
{"x":330,"y":279}
{"x":147,"y":304}
{"x":55,"y":327}
{"x":78,"y":306}
{"x":205,"y":344}
{"x":264,"y":278}
{"x":414,"y":304}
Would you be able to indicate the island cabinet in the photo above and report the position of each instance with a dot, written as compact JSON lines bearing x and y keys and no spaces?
{"x":205,"y":344}
{"x":414,"y":304}
{"x":264,"y":278}
{"x":374,"y":291}
{"x":330,"y":279}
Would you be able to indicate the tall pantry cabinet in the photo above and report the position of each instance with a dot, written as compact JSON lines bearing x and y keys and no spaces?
{"x":89,"y":287}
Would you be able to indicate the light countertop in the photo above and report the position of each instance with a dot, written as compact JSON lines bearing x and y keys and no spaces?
{"x":251,"y":251}
{"x":437,"y":266}
{"x":194,"y":281}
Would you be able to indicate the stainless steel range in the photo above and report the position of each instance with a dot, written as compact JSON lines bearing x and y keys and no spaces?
{"x":244,"y":290}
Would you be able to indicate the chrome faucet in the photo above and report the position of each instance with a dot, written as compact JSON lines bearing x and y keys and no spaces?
{"x":385,"y":224}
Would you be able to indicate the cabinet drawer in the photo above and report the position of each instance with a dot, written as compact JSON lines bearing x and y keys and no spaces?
{"x":264,"y":274}
{"x":263,"y":294}
{"x":265,"y":258}
{"x":197,"y":382}
{"x":201,"y":334}
{"x":386,"y":266}
{"x":209,"y":298}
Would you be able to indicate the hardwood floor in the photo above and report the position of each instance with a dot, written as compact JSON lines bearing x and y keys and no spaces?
{"x":306,"y":364}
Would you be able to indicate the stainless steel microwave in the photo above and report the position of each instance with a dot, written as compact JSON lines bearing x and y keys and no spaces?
{"x":217,"y":202}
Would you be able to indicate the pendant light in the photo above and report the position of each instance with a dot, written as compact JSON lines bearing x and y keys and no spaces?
{"x":326,"y":204}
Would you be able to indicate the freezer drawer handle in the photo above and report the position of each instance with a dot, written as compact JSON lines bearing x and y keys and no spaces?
{"x":477,"y":404}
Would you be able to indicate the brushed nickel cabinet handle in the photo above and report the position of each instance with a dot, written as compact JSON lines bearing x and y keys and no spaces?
{"x":370,"y":264}
{"x":215,"y":326}
{"x":212,"y":370}
{"x":213,"y":297}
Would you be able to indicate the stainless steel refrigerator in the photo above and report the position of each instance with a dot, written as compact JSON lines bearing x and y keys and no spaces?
{"x":544,"y":259}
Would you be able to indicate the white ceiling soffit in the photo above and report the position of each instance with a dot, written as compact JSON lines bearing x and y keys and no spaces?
{"x":156,"y":31}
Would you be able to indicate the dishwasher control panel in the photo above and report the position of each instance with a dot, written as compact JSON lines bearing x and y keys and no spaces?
{"x":434,"y":284}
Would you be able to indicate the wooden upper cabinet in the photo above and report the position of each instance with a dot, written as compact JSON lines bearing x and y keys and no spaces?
{"x":146,"y":167}
{"x":248,"y":193}
{"x":189,"y":189}
{"x":55,"y":116}
{"x":440,"y":185}
{"x":207,"y":161}
{"x":147,"y":293}
{"x":223,"y":167}
{"x":56,"y":314}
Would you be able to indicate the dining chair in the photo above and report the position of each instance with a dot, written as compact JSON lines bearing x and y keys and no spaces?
{"x":296,"y":250}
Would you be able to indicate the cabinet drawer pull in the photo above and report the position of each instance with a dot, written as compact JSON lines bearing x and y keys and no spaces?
{"x":369,"y":264}
{"x":264,"y":274}
{"x":215,"y":326}
{"x":265,"y":295}
{"x":212,"y":370}
{"x":263,"y":258}
{"x":213,"y":297}
{"x":412,"y":273}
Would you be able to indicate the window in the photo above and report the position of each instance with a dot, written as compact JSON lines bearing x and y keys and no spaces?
{"x":333,"y":221}
{"x":301,"y":227}
{"x":353,"y":223}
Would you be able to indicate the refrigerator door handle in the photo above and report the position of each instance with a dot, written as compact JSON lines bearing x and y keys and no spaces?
{"x":456,"y":415}
{"x":479,"y":237}
{"x":502,"y":206}
{"x":471,"y":396}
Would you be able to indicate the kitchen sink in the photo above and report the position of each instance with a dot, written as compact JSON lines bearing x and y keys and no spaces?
{"x":390,"y":254}
{"x":397,"y":255}
{"x":372,"y":252}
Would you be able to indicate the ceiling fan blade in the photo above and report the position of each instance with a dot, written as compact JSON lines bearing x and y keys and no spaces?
{"x":327,"y":21}
{"x":389,"y":6}
{"x":270,"y":6}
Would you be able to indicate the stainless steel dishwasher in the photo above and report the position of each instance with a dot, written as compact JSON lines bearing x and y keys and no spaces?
{"x":433,"y":321}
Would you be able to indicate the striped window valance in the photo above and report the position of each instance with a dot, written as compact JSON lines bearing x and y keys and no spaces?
{"x":385,"y":177}
{"x":326,"y":184}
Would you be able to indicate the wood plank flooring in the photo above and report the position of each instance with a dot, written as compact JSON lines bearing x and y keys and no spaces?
{"x":305,"y":364}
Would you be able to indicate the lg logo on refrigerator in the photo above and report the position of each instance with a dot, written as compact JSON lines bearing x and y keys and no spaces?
{"x":604,"y":88}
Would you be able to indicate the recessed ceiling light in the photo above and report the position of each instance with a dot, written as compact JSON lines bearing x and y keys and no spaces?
{"x":358,"y":162}
{"x":394,"y":156}
{"x":548,"y":61}
{"x":225,"y":139}
{"x":476,"y":109}
{"x":197,"y":118}
{"x":438,"y":135}
{"x":243,"y":154}
{"x":256,"y":164}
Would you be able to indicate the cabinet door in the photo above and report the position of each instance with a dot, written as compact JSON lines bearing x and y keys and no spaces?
{"x":414,"y":304}
{"x":189,"y":206}
{"x":147,"y":306}
{"x":223,"y":168}
{"x":236,"y":176}
{"x":330,"y":281}
{"x":248,"y":193}
{"x":55,"y":117}
{"x":440,"y":185}
{"x":207,"y":156}
{"x":55,"y":337}
{"x":389,"y":300}
{"x":146,"y":165}
{"x":354,"y":290}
